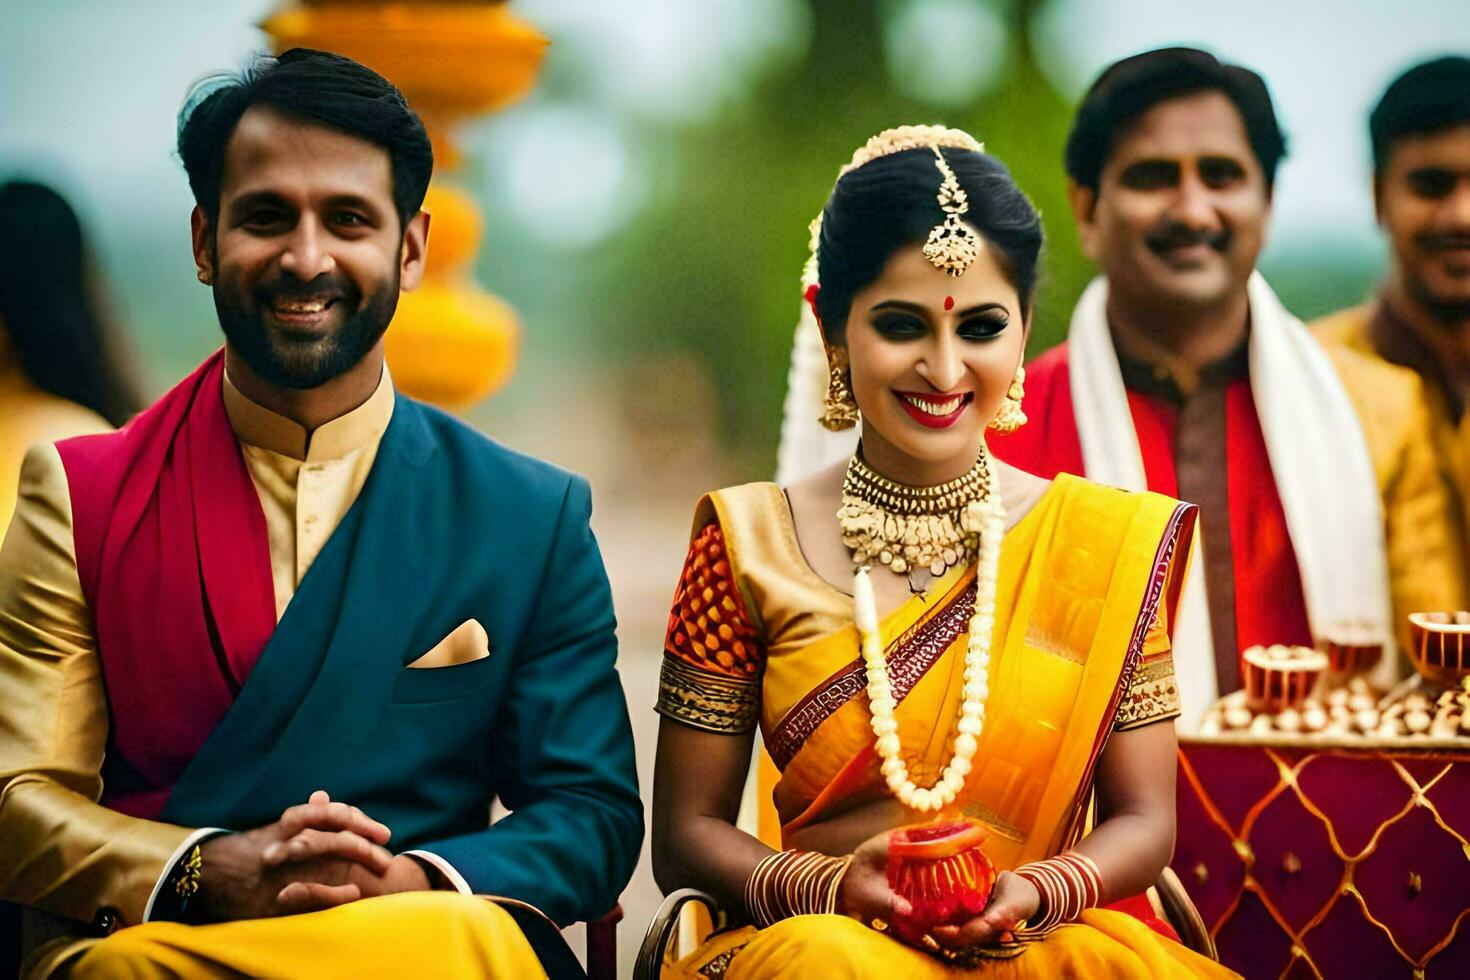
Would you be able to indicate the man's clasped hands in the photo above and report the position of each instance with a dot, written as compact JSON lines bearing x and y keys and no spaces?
{"x":318,"y":855}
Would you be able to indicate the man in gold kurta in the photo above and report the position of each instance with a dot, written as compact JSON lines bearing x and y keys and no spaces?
{"x":1420,"y":318}
{"x":249,"y":711}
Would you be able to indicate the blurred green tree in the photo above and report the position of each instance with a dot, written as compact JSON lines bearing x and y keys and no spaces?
{"x":713,"y":269}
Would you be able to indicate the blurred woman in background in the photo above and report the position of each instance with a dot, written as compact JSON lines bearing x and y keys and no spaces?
{"x":59,"y":371}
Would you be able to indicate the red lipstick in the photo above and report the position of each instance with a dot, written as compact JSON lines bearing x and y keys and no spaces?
{"x":924,"y":413}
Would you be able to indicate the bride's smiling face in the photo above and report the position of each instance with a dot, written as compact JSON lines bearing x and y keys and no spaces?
{"x":932,"y":357}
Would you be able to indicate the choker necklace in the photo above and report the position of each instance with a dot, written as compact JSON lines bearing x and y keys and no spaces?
{"x":969,"y":501}
{"x":910,"y":529}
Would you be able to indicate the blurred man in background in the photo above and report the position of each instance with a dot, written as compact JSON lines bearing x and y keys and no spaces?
{"x":1421,"y":190}
{"x":1185,"y":375}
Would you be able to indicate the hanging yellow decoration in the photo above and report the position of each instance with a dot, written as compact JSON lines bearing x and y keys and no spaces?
{"x":451,"y":342}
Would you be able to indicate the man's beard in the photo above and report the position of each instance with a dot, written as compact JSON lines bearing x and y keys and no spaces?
{"x":297,"y":361}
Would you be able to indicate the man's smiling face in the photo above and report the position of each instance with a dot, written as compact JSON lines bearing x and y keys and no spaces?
{"x":1180,"y":213}
{"x":307,"y":251}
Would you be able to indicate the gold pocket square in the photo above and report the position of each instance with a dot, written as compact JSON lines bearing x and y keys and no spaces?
{"x":469,"y":642}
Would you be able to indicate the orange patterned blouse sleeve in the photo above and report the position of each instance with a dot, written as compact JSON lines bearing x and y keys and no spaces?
{"x":713,"y":656}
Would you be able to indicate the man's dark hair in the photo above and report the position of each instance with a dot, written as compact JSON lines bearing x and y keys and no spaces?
{"x":315,"y":87}
{"x":1429,"y":97}
{"x":893,"y":201}
{"x":1129,"y":88}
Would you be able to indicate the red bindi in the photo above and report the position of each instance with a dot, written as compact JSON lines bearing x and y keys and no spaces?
{"x":948,"y":303}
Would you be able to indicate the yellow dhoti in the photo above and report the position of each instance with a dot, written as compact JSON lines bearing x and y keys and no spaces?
{"x":413,"y":934}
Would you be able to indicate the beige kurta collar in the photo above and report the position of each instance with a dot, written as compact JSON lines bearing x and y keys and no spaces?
{"x":256,"y":425}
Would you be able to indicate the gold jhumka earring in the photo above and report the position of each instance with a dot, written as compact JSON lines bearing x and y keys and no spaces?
{"x":839,"y":408}
{"x":1011,"y":416}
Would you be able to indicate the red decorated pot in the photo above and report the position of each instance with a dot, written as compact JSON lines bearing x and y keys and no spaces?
{"x":942,"y":871}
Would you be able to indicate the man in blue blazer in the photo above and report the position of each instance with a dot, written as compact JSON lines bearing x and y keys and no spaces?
{"x":268,"y":652}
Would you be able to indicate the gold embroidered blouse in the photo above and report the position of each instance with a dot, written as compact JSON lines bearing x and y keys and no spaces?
{"x":715,"y":647}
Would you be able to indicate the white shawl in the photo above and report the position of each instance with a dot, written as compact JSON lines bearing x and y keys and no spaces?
{"x":1318,"y":456}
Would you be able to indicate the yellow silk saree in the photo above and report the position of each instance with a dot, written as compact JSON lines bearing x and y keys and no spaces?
{"x":1088,"y":581}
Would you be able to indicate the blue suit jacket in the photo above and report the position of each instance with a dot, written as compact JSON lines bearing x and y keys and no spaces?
{"x":449,"y":527}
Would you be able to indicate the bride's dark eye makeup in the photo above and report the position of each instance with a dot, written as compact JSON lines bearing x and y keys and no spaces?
{"x":899,"y":326}
{"x":984,"y":326}
{"x":895,"y":321}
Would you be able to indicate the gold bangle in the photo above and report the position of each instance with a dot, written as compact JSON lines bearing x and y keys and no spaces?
{"x":790,"y":883}
{"x":834,"y":886}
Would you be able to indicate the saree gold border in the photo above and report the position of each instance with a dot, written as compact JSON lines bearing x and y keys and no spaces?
{"x":1288,"y":780}
{"x":1154,"y":589}
{"x":947,"y":605}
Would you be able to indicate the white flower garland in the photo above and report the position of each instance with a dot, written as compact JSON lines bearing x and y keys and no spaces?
{"x":977,"y":672}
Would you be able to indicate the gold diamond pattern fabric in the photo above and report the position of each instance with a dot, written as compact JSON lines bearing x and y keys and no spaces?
{"x":1322,"y":860}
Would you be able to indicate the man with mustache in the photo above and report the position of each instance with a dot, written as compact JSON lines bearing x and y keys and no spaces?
{"x":1420,"y":318}
{"x":1184,"y":374}
{"x":269,"y":652}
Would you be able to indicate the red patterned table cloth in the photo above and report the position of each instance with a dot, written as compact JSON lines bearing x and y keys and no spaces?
{"x":1309,"y":858}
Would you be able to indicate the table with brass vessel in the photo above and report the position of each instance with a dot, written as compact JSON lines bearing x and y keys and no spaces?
{"x":1324,"y":829}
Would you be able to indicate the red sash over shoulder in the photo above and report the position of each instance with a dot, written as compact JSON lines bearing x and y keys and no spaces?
{"x":175,"y":565}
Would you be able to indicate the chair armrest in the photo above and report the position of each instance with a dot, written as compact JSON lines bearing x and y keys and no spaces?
{"x":1180,"y":912}
{"x":545,"y":937}
{"x":661,"y":929}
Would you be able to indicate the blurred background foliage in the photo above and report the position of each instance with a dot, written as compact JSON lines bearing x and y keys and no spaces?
{"x":647,"y":206}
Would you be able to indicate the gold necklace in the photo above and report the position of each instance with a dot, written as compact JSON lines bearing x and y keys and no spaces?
{"x":900,"y":525}
{"x":909,"y":528}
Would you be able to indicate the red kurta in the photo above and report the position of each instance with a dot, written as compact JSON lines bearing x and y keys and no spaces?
{"x":1268,"y":603}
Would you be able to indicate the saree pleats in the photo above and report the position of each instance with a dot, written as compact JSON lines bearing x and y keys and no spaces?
{"x":834,"y":947}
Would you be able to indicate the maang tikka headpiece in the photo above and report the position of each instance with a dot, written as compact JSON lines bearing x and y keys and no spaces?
{"x":952,"y":245}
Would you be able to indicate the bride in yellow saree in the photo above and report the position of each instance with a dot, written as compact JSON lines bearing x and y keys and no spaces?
{"x":1073,"y":752}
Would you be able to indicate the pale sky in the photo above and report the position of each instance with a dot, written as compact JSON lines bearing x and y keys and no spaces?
{"x":89,"y":90}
